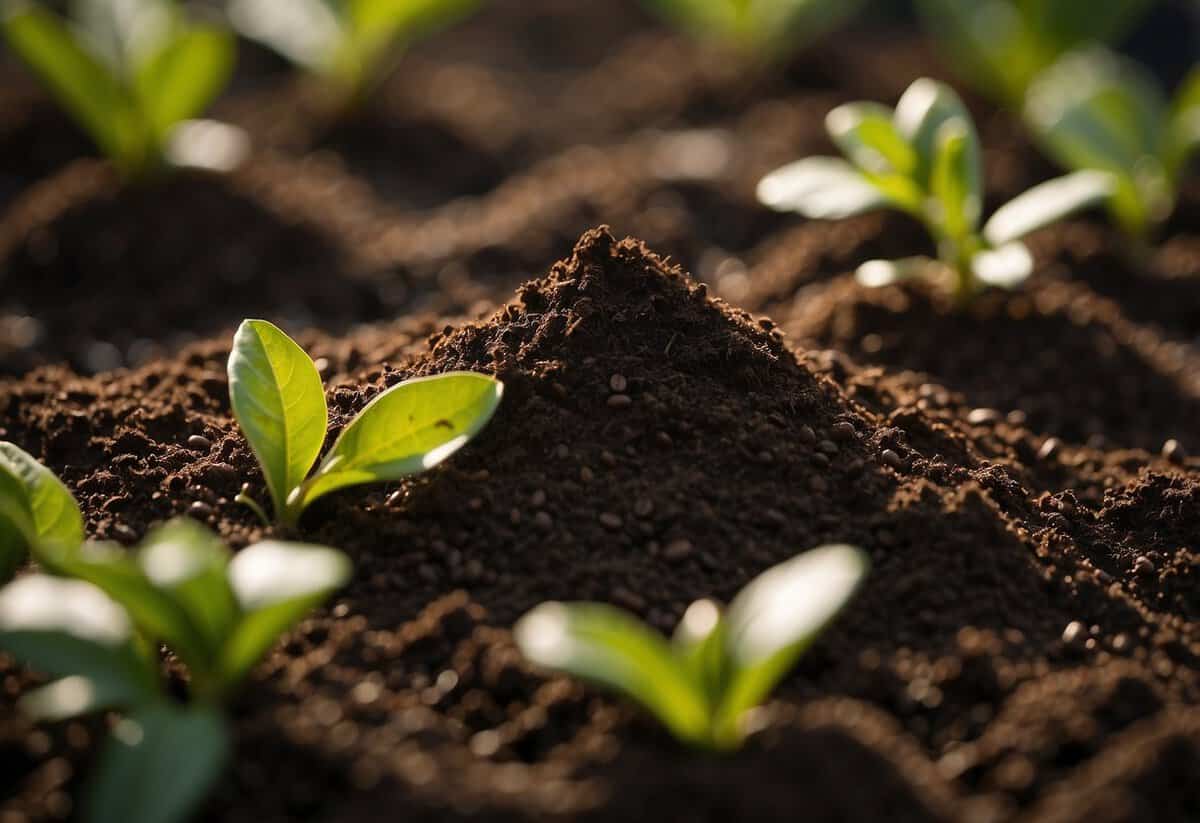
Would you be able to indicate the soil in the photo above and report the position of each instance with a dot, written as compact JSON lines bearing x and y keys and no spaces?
{"x":675,"y":421}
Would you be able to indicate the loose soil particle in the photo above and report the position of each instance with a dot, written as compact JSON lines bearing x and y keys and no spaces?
{"x":947,"y":691}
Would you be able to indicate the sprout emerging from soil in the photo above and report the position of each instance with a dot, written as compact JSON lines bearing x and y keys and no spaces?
{"x":279,"y":402}
{"x":923,"y":158}
{"x":703,"y":683}
{"x":762,"y":30}
{"x":1096,"y":110}
{"x":131,"y":74}
{"x":96,"y":625}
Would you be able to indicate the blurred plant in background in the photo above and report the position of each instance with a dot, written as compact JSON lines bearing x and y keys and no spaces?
{"x":132,"y":73}
{"x":351,"y":44}
{"x":763,"y":30}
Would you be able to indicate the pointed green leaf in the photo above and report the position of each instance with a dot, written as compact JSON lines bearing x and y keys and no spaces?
{"x":821,"y":188}
{"x":188,"y":561}
{"x":1183,"y":130}
{"x":158,"y":765}
{"x":279,"y":402}
{"x":183,"y":76}
{"x":955,"y":183}
{"x":71,"y":629}
{"x":775,"y":618}
{"x":276,"y":585}
{"x":409,"y":428}
{"x":35,"y":508}
{"x":607,"y":646}
{"x":923,"y":109}
{"x":1047,"y":203}
{"x":1005,"y":267}
{"x":82,"y":84}
{"x":867,"y":136}
{"x":699,"y":644}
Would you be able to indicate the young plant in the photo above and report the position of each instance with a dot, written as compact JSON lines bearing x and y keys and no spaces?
{"x":96,"y":626}
{"x":1095,"y":110}
{"x":761,"y":29}
{"x":279,"y":402}
{"x":35,"y":508}
{"x":703,"y":683}
{"x":1000,"y":46}
{"x":131,"y":73}
{"x":924,"y":159}
{"x":352,"y":44}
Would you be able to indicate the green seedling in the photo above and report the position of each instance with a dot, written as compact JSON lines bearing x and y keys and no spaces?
{"x":279,"y":402}
{"x":923,"y":159}
{"x":762,"y":30}
{"x":352,"y":44}
{"x":703,"y":683}
{"x":132,"y":74}
{"x":1000,"y":46}
{"x":35,"y":508}
{"x":95,"y":628}
{"x":1095,"y":110}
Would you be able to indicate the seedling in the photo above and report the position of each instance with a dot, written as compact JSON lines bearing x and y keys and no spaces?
{"x":1000,"y":46}
{"x":35,"y":508}
{"x":760,"y":29}
{"x":130,"y":73}
{"x":279,"y":402}
{"x":1095,"y":110}
{"x":924,"y":159}
{"x":704,"y":682}
{"x":96,"y":628}
{"x":350,"y":43}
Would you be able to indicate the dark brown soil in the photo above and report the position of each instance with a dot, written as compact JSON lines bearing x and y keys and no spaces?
{"x":946,"y":692}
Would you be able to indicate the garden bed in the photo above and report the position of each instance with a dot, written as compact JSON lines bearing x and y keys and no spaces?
{"x":681,"y":411}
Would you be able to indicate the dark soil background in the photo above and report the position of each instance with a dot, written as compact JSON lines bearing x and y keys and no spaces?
{"x":1026,"y":646}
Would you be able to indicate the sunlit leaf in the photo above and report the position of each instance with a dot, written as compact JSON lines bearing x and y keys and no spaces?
{"x":1047,"y":203}
{"x":955,"y":182}
{"x":867,"y":136}
{"x":1005,"y":267}
{"x":878,"y":273}
{"x":923,"y":109}
{"x":822,"y":188}
{"x":182,"y":76}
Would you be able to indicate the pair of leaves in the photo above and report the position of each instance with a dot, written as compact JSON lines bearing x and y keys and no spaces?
{"x":128,"y":96}
{"x":701,"y":684}
{"x":348,"y":40}
{"x":35,"y":508}
{"x":924,"y":158}
{"x":1096,"y":110}
{"x":279,"y":402}
{"x":1002,"y":45}
{"x":762,"y":28}
{"x":219,"y":613}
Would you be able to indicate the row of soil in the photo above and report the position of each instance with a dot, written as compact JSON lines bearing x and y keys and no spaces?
{"x":1025,"y":647}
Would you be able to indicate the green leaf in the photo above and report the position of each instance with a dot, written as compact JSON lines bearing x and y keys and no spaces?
{"x":71,"y":629}
{"x":183,"y":76}
{"x":1005,"y":267}
{"x":875,"y":274}
{"x":775,"y":618}
{"x":55,"y":514}
{"x":409,"y":428}
{"x":955,"y":183}
{"x":609,"y":647}
{"x":821,"y":188}
{"x":1182,"y":137}
{"x":155,"y":611}
{"x":923,"y":109}
{"x":82,"y":84}
{"x":760,"y":28}
{"x":279,"y":402}
{"x":1047,"y":203}
{"x":158,"y":766}
{"x":1064,"y":24}
{"x":306,"y":32}
{"x":699,"y":644}
{"x":373,"y":28}
{"x":188,"y":561}
{"x":276,"y":585}
{"x":866,"y":135}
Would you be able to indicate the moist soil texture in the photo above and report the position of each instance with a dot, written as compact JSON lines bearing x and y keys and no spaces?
{"x":682,"y":411}
{"x":1027,"y":637}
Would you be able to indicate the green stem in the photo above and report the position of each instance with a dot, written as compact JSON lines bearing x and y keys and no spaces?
{"x":252,"y":504}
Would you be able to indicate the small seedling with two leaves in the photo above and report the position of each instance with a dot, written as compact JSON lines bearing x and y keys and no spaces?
{"x":923,"y":158}
{"x":132,"y":74}
{"x":703,"y":683}
{"x":762,"y":30}
{"x":352,"y":44}
{"x":1000,"y":46}
{"x":279,"y":402}
{"x":95,"y":621}
{"x":1096,"y":110}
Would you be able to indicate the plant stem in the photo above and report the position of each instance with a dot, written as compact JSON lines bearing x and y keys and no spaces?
{"x":252,"y":504}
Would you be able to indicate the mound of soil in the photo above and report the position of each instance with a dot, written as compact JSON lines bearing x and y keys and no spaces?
{"x":1015,"y":644}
